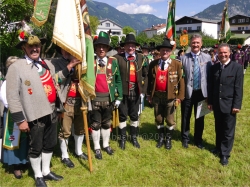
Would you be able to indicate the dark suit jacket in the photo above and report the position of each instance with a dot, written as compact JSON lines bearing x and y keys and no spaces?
{"x":141,"y":72}
{"x":226,"y":87}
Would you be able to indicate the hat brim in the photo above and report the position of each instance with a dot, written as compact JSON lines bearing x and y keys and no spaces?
{"x":102,"y":43}
{"x":132,"y":42}
{"x":163,"y":46}
{"x":19,"y":45}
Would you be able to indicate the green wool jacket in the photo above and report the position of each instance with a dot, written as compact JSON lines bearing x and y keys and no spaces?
{"x":113,"y":78}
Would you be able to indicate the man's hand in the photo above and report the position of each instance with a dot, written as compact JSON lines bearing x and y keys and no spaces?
{"x":73,"y":62}
{"x":149,"y":99}
{"x":235,"y":110}
{"x":117,"y":103}
{"x":210,"y":107}
{"x":23,"y":126}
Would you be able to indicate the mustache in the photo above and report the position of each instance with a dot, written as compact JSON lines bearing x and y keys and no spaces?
{"x":34,"y":51}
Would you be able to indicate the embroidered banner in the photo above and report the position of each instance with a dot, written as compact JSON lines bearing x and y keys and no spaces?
{"x":41,"y":12}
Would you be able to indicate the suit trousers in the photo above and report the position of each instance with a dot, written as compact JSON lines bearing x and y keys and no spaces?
{"x":186,"y":111}
{"x":129,"y":107}
{"x":43,"y":135}
{"x":224,"y":131}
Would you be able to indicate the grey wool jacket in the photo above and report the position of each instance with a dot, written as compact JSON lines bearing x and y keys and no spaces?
{"x":26,"y":97}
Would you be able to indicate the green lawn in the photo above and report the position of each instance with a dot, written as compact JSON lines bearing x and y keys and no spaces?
{"x":150,"y":166}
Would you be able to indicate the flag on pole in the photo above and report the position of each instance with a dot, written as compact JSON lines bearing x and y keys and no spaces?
{"x":72,"y":33}
{"x":225,"y":32}
{"x":170,"y":29}
{"x":41,"y":12}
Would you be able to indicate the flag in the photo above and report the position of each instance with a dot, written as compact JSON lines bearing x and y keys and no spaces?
{"x":41,"y":12}
{"x":225,"y":32}
{"x":170,"y":29}
{"x":72,"y":33}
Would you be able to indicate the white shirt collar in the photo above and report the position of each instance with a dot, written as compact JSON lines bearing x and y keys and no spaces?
{"x":126,"y":55}
{"x":227,"y":62}
{"x":197,"y":54}
{"x":29,"y":60}
{"x":105,"y":60}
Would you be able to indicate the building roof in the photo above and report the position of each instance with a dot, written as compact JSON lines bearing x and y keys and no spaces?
{"x":156,"y":27}
{"x":198,"y":19}
{"x":106,"y":19}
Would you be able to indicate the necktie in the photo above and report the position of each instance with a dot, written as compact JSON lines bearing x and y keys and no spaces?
{"x":44,"y":65}
{"x":101,"y":63}
{"x":196,"y":73}
{"x":162,"y":65}
{"x":130,"y":58}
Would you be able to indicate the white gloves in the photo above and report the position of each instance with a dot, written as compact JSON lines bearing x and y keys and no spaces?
{"x":117,"y":103}
{"x":142,"y":97}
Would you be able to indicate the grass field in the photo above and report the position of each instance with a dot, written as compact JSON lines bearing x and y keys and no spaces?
{"x":150,"y":166}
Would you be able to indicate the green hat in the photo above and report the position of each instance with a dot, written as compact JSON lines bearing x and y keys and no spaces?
{"x":103,"y":38}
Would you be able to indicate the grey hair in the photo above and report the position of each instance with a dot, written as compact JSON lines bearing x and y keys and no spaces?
{"x":11,"y":60}
{"x":224,"y":45}
{"x":195,"y":36}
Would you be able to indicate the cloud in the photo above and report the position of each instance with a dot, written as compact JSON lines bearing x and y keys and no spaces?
{"x":148,"y":1}
{"x":133,"y":8}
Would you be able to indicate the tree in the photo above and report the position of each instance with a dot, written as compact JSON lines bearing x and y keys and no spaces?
{"x":127,"y":30}
{"x":94,"y":22}
{"x":142,"y":38}
{"x":114,"y":41}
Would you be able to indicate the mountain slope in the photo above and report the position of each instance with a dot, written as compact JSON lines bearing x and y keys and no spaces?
{"x":136,"y":21}
{"x":235,"y":7}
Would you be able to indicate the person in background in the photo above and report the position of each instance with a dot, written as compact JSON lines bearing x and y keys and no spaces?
{"x":165,"y":90}
{"x":16,"y":155}
{"x":225,"y":93}
{"x":196,"y":65}
{"x":179,"y":54}
{"x":156,"y":55}
{"x":31,"y":96}
{"x":71,"y":100}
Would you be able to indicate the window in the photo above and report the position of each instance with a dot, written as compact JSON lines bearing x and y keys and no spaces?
{"x":240,"y":28}
{"x":107,"y":24}
{"x":247,"y":20}
{"x":187,"y":21}
{"x":198,"y":28}
{"x":246,"y":28}
{"x":184,"y":28}
{"x":233,"y":20}
{"x":190,"y":21}
{"x":180,"y":28}
{"x":241,"y":20}
{"x":189,"y":28}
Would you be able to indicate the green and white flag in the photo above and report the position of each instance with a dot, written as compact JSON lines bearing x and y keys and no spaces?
{"x":225,"y":32}
{"x":170,"y":29}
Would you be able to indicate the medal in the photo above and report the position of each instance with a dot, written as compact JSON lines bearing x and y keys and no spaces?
{"x":27,"y":83}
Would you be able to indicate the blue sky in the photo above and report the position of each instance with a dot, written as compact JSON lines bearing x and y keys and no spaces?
{"x":159,"y":7}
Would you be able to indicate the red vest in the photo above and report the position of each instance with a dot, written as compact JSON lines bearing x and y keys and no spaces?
{"x":132,"y":77}
{"x":101,"y":84}
{"x":73,"y":90}
{"x":161,"y":80}
{"x":48,"y":85}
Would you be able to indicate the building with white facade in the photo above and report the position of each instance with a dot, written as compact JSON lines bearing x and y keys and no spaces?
{"x":155,"y":30}
{"x":239,"y":26}
{"x":107,"y":24}
{"x":195,"y":25}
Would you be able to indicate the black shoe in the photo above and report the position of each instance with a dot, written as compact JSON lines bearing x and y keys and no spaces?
{"x":68,"y":162}
{"x":52,"y":177}
{"x":224,"y":160}
{"x":109,"y":150}
{"x":185,"y":144}
{"x":168,"y":144}
{"x":18,"y":174}
{"x":199,"y":145}
{"x":122,"y":144}
{"x":215,"y":151}
{"x":40,"y":182}
{"x":98,"y":154}
{"x":160,"y":143}
{"x":82,"y":156}
{"x":135,"y":142}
